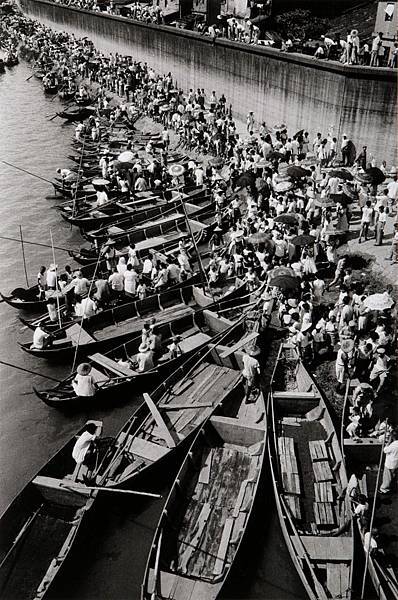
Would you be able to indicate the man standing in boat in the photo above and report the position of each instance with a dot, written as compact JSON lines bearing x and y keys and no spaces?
{"x":251,"y":372}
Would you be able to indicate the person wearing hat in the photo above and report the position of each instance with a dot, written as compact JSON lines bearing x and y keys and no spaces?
{"x":343,"y":361}
{"x":175,"y":348}
{"x":144,"y":358}
{"x":380,"y":369}
{"x":52,"y":277}
{"x":390,"y":464}
{"x":84,"y":383}
{"x":251,"y":371}
{"x":109,"y":252}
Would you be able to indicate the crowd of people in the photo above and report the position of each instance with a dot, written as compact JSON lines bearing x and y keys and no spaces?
{"x":284,"y":202}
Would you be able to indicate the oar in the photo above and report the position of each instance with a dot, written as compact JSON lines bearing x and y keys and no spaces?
{"x":109,"y":489}
{"x":25,"y":171}
{"x":29,"y":371}
{"x":29,"y":78}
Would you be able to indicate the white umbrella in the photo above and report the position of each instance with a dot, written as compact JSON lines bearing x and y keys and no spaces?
{"x":379,"y":301}
{"x":126,"y":156}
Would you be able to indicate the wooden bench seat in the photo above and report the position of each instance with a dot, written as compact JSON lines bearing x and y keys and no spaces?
{"x":325,"y":549}
{"x":147,"y":450}
{"x":322,"y":471}
{"x":323,"y":491}
{"x":78,"y":335}
{"x":324,"y":513}
{"x":285,"y":445}
{"x":318,"y":450}
{"x":111,"y":365}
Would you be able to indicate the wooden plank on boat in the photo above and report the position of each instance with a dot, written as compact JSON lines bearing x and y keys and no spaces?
{"x":111,"y":365}
{"x":167,"y":436}
{"x":291,"y":483}
{"x":324,"y":513}
{"x":240,"y":497}
{"x":184,"y":406}
{"x":318,"y":450}
{"x":322,"y":471}
{"x":286,"y":445}
{"x":238,"y":528}
{"x":148,"y":450}
{"x":323,"y":491}
{"x":293,"y":502}
{"x":194,"y":341}
{"x":288,"y":463}
{"x":337,"y":579}
{"x":223,"y":548}
{"x":193,"y":543}
{"x":78,"y":335}
{"x":325,"y":549}
{"x":294,"y":394}
{"x":246,"y":340}
{"x":204,"y":475}
{"x":163,"y":584}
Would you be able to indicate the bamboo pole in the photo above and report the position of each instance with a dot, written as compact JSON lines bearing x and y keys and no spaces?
{"x":56,"y":280}
{"x":11,"y":239}
{"x":7,"y":364}
{"x":109,"y":489}
{"x":25,"y":171}
{"x":373,"y":515}
{"x":23,"y":256}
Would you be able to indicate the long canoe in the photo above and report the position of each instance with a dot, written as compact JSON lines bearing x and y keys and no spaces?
{"x":112,"y":327}
{"x":28,"y":298}
{"x":115,"y":379}
{"x":39,"y":527}
{"x":208,"y":510}
{"x":362,"y":458}
{"x":309,"y":477}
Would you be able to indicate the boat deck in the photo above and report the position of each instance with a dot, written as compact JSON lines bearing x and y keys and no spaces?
{"x":25,"y":567}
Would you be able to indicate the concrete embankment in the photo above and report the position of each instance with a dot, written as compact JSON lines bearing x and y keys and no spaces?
{"x":278,"y":87}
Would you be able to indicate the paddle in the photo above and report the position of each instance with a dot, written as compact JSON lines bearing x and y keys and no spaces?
{"x":29,"y":371}
{"x":29,"y":78}
{"x":105,"y":489}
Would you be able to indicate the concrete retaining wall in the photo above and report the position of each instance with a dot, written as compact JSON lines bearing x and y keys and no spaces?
{"x":279,"y":88}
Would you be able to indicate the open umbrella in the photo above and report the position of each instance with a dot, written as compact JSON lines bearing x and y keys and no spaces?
{"x":297,"y":172}
{"x":298,"y":134}
{"x":259,"y":238}
{"x":363,"y":178}
{"x":324,"y":202}
{"x":283,"y":186}
{"x":280,"y":127}
{"x":285,"y":282}
{"x":379,"y":301}
{"x":350,"y":192}
{"x":176,"y":170}
{"x":376,"y":175}
{"x":275,"y":155}
{"x":303,"y":240}
{"x":100,"y":181}
{"x":341,"y":174}
{"x":279,"y":271}
{"x":126,"y":156}
{"x":245,"y":180}
{"x":287,"y":219}
{"x":216,"y":162}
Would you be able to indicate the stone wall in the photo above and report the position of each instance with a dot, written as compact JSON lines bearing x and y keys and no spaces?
{"x":278,"y":87}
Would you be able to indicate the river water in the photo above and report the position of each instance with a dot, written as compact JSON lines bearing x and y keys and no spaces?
{"x":110,"y":561}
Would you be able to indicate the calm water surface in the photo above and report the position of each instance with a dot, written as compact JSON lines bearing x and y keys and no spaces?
{"x":111,"y":563}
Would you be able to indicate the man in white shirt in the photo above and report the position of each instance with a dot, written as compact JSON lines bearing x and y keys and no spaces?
{"x":251,"y":371}
{"x":40,"y":339}
{"x":390,"y":465}
{"x":82,"y":446}
{"x":366,"y":220}
{"x":51,"y":278}
{"x":392,"y":190}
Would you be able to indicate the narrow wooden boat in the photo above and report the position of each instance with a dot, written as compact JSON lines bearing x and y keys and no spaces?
{"x":50,"y":89}
{"x":67,"y":95}
{"x":161,"y":238}
{"x":80,"y":114}
{"x":309,"y":477}
{"x":112,"y":327}
{"x":115,"y":378}
{"x":362,"y":458}
{"x":210,"y":504}
{"x":28,"y":298}
{"x":39,"y":527}
{"x":152,"y":223}
{"x":66,"y":319}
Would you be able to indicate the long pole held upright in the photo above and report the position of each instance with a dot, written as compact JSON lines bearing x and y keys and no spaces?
{"x":56,"y":281}
{"x":373,"y":515}
{"x":23,"y":256}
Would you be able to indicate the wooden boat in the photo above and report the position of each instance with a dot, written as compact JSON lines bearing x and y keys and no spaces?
{"x":115,"y":379}
{"x":28,"y":298}
{"x":308,"y":477}
{"x":50,"y":89}
{"x":362,"y":458}
{"x":39,"y":527}
{"x":67,"y":95}
{"x":210,"y":504}
{"x":151,"y":223}
{"x":160,"y":238}
{"x":67,"y":319}
{"x":114,"y":326}
{"x":80,"y":114}
{"x":93,"y":217}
